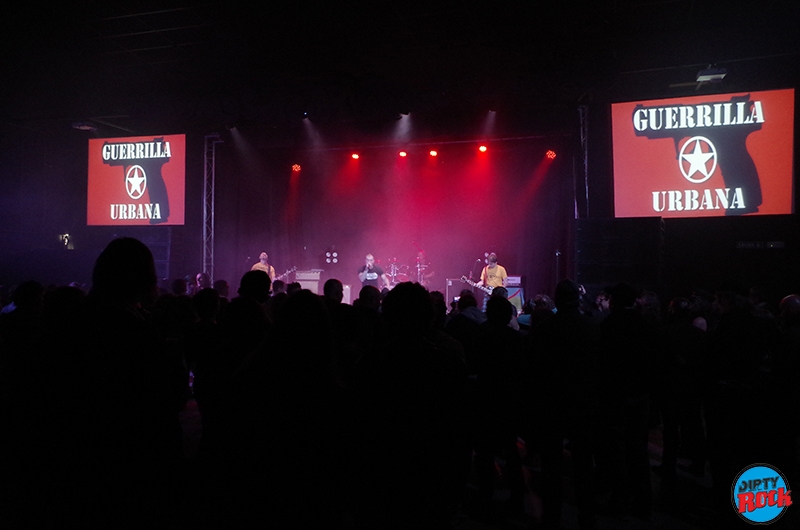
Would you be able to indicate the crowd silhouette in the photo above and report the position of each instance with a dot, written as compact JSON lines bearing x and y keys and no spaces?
{"x":388,"y":413}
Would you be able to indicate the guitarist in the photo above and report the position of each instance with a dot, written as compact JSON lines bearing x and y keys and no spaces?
{"x":263,"y":265}
{"x":493,"y":275}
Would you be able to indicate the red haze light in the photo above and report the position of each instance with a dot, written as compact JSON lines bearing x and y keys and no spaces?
{"x":296,"y":168}
{"x":550,"y":154}
{"x":403,"y":153}
{"x":483,"y":149}
{"x":354,"y":156}
{"x":433,"y":153}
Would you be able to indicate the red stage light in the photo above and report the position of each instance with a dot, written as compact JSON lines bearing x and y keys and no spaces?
{"x":482,"y":149}
{"x":403,"y":153}
{"x":550,"y":154}
{"x":433,"y":153}
{"x":355,"y":156}
{"x":296,"y":168}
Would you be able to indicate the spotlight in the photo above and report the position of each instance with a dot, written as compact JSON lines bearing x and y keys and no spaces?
{"x":550,"y":154}
{"x":482,"y":149}
{"x":327,"y":254}
{"x":403,"y":154}
{"x":433,"y":153}
{"x":354,"y":156}
{"x":296,"y":168}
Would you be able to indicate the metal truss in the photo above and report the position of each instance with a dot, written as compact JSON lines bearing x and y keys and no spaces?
{"x":209,"y":184}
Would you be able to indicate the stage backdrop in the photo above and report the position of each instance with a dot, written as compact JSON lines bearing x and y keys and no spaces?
{"x":704,"y":156}
{"x":136,"y":181}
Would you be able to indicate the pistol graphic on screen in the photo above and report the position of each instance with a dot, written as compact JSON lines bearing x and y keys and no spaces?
{"x":726,"y":125}
{"x":151,"y":157}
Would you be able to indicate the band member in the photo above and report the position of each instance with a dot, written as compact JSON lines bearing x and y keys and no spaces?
{"x":423,"y":269}
{"x":263,"y":265}
{"x":371,"y":274}
{"x":493,"y":275}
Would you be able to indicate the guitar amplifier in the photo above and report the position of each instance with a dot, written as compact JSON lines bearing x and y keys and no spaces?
{"x":514,"y":281}
{"x":308,"y":279}
{"x":454,"y":286}
{"x":307,"y":275}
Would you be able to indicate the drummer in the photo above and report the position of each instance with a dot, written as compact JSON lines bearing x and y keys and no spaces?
{"x":424,"y":271}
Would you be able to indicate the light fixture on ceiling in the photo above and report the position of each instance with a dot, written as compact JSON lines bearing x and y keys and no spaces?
{"x":711,"y":75}
{"x":84,"y":126}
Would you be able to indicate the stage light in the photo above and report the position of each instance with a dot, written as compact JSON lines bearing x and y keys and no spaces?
{"x":84,"y":126}
{"x":354,"y":156}
{"x":482,"y":149}
{"x":331,"y":256}
{"x":296,"y":168}
{"x":403,"y":154}
{"x":550,"y":154}
{"x":433,"y":153}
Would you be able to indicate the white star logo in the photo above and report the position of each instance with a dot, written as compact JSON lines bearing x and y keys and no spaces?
{"x":703,"y":152}
{"x":135,"y":182}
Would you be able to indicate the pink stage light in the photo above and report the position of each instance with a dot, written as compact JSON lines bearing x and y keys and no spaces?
{"x":550,"y":154}
{"x":296,"y":168}
{"x":483,"y":149}
{"x":433,"y":153}
{"x":403,"y":154}
{"x":355,"y":156}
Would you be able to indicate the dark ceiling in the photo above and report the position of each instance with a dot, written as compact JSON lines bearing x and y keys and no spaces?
{"x":147,"y":67}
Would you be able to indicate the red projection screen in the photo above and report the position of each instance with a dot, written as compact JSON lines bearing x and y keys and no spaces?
{"x":137,"y":180}
{"x":704,"y":156}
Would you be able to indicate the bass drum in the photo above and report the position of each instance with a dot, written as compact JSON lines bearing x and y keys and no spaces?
{"x":400,"y":278}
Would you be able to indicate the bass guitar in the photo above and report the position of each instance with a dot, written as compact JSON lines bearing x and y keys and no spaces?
{"x":485,"y":288}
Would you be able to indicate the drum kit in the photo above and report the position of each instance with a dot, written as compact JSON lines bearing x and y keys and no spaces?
{"x":399,"y":273}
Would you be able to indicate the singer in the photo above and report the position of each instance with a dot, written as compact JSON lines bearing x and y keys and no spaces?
{"x":371,"y":274}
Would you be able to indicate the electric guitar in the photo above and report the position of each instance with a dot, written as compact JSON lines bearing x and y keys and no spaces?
{"x":285,"y":274}
{"x":485,"y":288}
